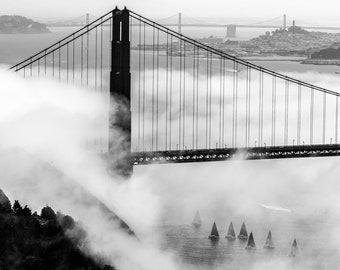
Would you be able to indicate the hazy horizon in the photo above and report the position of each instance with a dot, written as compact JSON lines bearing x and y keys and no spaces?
{"x":306,"y":12}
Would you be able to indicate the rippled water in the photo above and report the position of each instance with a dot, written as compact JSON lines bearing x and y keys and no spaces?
{"x":192,"y":245}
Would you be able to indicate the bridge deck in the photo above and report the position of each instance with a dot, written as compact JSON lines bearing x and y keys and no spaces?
{"x":203,"y":155}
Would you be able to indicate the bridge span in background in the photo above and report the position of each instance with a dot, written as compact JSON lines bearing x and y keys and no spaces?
{"x":231,"y":28}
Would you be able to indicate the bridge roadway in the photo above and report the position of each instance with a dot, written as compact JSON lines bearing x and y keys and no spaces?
{"x":214,"y":26}
{"x":219,"y":154}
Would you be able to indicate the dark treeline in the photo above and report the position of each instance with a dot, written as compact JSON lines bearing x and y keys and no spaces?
{"x":328,"y":53}
{"x":40,"y":242}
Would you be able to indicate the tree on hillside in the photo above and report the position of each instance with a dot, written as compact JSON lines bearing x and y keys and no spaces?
{"x":48,"y":213}
{"x":26,"y":211}
{"x":17,"y":209}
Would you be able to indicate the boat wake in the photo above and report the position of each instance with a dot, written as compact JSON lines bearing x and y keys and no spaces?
{"x":276,"y":208}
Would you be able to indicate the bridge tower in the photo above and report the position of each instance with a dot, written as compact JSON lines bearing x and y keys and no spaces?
{"x":87,"y":19}
{"x":119,"y":155}
{"x":284,"y":22}
{"x":180,"y":23}
{"x":231,"y":30}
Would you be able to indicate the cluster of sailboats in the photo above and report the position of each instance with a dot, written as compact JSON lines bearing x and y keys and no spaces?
{"x":243,"y":236}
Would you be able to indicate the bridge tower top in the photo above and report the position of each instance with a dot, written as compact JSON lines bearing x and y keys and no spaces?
{"x":180,"y":23}
{"x":284,"y":21}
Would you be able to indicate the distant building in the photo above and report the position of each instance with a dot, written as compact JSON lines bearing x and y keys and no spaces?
{"x":231,"y":30}
{"x":210,"y":40}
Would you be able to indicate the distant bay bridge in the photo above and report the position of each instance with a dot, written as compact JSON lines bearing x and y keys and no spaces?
{"x":179,"y":21}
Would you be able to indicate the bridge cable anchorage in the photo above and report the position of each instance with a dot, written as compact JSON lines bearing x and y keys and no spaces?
{"x":189,"y":101}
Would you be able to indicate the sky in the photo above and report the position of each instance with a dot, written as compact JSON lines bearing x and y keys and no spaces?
{"x":310,"y":11}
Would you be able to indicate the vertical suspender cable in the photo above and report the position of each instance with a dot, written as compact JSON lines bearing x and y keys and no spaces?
{"x":299,"y":116}
{"x":171,"y":56}
{"x":144,"y":81}
{"x":286,"y":112}
{"x":207,"y":102}
{"x":273,"y":111}
{"x":197,"y":91}
{"x":180,"y":96}
{"x":324,"y":119}
{"x":166,"y":91}
{"x":336,"y":119}
{"x":139,"y":84}
{"x":193,"y":97}
{"x":220,"y":107}
{"x":210,"y":98}
{"x":223,"y":101}
{"x":153,"y":89}
{"x":157,"y":91}
{"x":311,"y":131}
{"x":184,"y":98}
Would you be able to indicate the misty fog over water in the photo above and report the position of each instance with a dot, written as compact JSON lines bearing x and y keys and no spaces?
{"x":160,"y":201}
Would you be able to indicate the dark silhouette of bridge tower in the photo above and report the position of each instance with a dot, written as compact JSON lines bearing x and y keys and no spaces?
{"x":176,"y":100}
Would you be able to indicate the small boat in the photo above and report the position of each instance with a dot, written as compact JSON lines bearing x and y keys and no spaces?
{"x":214,"y":233}
{"x":251,"y":242}
{"x":243,"y":232}
{"x":197,"y":220}
{"x":269,"y":242}
{"x":294,"y":249}
{"x":231,"y":232}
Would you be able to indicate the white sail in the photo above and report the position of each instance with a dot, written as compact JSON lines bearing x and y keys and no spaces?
{"x":197,"y":220}
{"x":269,"y":242}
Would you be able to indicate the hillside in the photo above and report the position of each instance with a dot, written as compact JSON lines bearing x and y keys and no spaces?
{"x":295,"y":40}
{"x":20,"y":25}
{"x":32,"y":241}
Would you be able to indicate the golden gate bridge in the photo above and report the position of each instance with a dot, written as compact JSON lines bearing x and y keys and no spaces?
{"x":178,"y":100}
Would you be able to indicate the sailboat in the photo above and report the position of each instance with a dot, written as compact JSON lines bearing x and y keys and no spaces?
{"x":214,"y":233}
{"x":231,"y":232}
{"x":197,"y":220}
{"x":294,"y":249}
{"x":243,"y":232}
{"x":269,"y":242}
{"x":251,"y":242}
